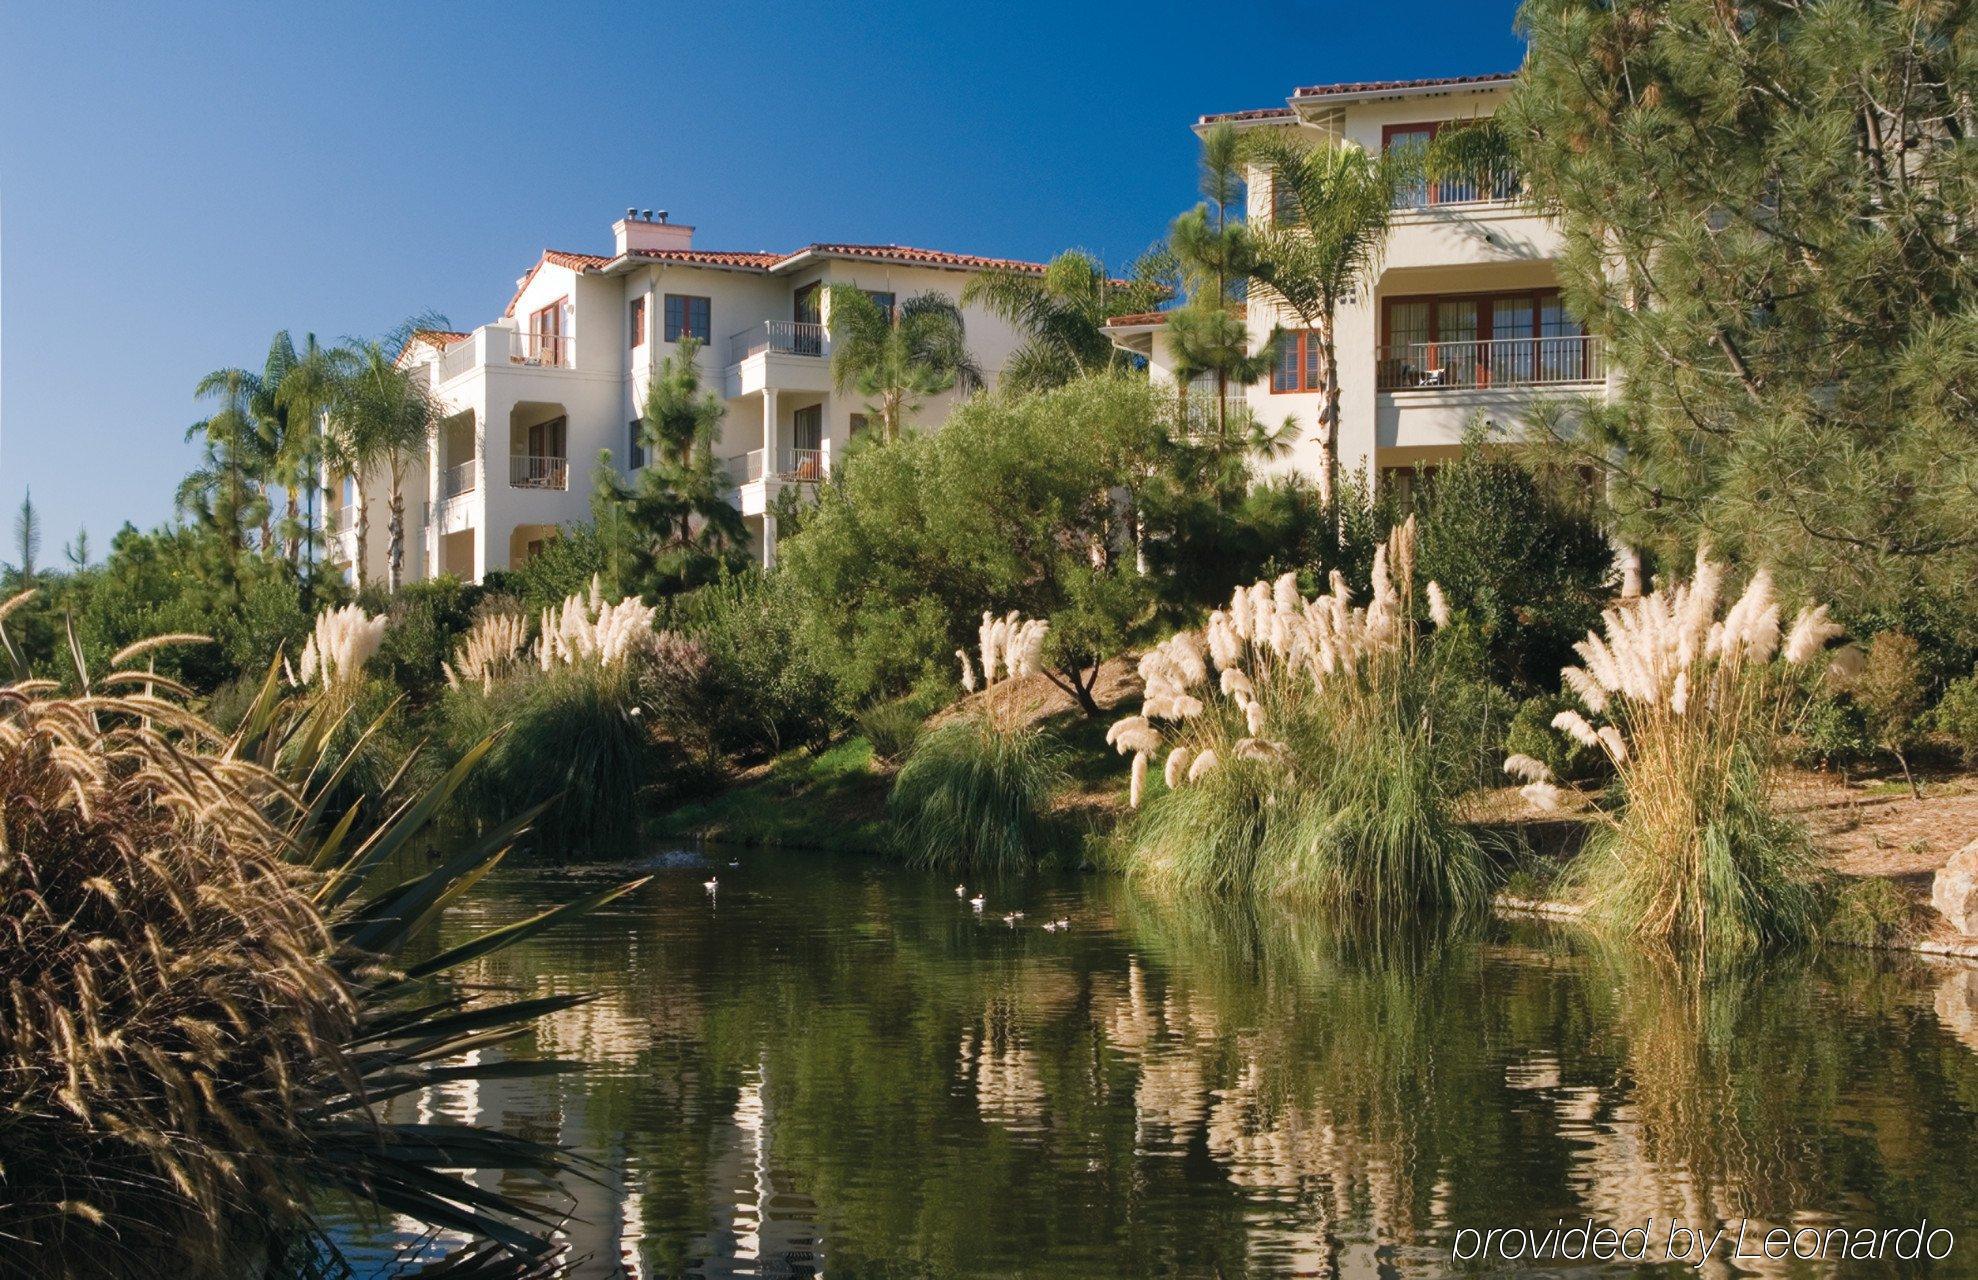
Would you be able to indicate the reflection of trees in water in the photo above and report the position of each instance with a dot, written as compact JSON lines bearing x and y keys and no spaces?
{"x":1205,"y":1088}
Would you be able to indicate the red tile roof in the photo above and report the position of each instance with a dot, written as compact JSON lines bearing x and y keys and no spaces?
{"x":1385,"y":86}
{"x":1354,"y":87}
{"x":917,"y":257}
{"x":752,"y":260}
{"x":1260,"y":113}
{"x":709,"y":257}
{"x":1161,"y":317}
{"x":440,"y":337}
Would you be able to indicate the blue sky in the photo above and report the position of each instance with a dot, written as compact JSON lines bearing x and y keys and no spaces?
{"x":179,"y":181}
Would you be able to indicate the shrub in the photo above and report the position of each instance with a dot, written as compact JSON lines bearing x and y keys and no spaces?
{"x":1890,"y":693}
{"x":1831,"y":733}
{"x":1695,"y":708}
{"x":975,"y":796}
{"x":1521,"y":554}
{"x":426,"y":620}
{"x":769,"y":676}
{"x":1313,"y":749}
{"x":1956,"y":716}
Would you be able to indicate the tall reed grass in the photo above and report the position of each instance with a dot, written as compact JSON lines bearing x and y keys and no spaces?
{"x":205,"y":1005}
{"x":1307,"y":749}
{"x":975,"y":795}
{"x":1689,"y":697}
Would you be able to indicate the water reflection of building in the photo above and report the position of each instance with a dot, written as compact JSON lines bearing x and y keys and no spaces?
{"x":769,"y":1229}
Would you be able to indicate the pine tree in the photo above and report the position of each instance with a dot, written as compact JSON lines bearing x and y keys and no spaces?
{"x":673,"y":527}
{"x":1768,"y":219}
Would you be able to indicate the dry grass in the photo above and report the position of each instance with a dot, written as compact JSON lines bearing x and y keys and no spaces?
{"x":166,"y":973}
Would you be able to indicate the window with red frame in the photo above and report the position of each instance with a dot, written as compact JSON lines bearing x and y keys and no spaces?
{"x":1296,"y":366}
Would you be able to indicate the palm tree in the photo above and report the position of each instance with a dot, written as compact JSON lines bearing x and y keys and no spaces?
{"x":380,"y":416}
{"x":1063,"y":312}
{"x":898,"y":360}
{"x":1332,"y":206}
{"x":290,"y":424}
{"x":223,"y":493}
{"x":307,"y":389}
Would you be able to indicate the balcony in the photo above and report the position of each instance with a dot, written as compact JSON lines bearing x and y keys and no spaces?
{"x":530,"y":471}
{"x":778,"y":337}
{"x":498,"y":345}
{"x":542,"y":350}
{"x":1498,"y":364}
{"x":340,"y":520}
{"x":1487,"y":188}
{"x":458,"y":479}
{"x":797,"y":466}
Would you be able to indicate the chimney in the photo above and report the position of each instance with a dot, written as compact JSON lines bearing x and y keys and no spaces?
{"x":641,"y":231}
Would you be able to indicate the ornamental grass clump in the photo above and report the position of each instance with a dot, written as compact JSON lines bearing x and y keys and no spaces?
{"x":594,"y":630}
{"x":1690,"y":700}
{"x":578,"y":736}
{"x":342,"y":642}
{"x":491,"y":650}
{"x":211,"y":991}
{"x":975,"y":791}
{"x":1305,"y":748}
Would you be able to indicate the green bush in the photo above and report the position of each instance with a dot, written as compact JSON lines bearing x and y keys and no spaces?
{"x":1519,"y":552}
{"x":427,"y":620}
{"x":768,"y":678}
{"x":1956,"y":716}
{"x":1832,"y":734}
{"x":974,"y":796}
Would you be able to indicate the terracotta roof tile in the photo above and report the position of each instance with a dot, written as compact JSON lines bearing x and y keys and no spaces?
{"x":1383,"y":86}
{"x":1138,"y":317}
{"x":927,"y":257}
{"x":709,"y":257}
{"x":1261,"y":113}
{"x":440,"y":337}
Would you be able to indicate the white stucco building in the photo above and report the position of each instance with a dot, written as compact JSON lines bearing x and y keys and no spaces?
{"x":1463,"y":317}
{"x":532,"y":398}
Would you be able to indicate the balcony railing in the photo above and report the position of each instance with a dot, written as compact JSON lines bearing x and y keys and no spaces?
{"x":533,"y":471}
{"x":340,"y":520}
{"x":1491,"y":187}
{"x":458,"y":358}
{"x":798,"y":465}
{"x":457,"y":479}
{"x":778,"y":337}
{"x":1201,"y":414}
{"x":542,"y":349}
{"x":1501,"y":362}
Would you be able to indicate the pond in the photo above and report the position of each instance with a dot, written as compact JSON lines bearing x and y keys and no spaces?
{"x":831,"y":1065}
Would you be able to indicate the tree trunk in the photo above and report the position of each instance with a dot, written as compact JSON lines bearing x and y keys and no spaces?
{"x":294,"y":549}
{"x":395,"y":547}
{"x":363,"y":537}
{"x":1329,"y":422}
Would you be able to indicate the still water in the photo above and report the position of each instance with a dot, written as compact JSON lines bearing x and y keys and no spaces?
{"x":834,"y":1066}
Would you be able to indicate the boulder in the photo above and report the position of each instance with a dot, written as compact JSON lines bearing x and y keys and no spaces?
{"x":1954,"y":892}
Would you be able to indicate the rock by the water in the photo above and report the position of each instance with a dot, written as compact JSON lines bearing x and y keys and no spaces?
{"x":1955,"y":890}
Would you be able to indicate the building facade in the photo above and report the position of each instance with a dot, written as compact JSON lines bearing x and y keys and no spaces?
{"x":531,"y":399}
{"x":1461,"y":322}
